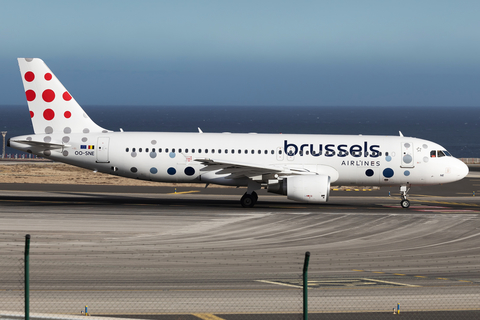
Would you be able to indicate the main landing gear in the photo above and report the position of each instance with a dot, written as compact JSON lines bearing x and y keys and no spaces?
{"x":249,"y":200}
{"x":405,"y":203}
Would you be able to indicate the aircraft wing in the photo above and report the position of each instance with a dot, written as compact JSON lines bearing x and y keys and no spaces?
{"x":249,"y":170}
{"x":41,"y":144}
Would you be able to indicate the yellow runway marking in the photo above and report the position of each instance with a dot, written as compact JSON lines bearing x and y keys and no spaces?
{"x":464,"y":281}
{"x":442,"y":278}
{"x":399,"y":274}
{"x":357,"y":270}
{"x":420,"y":277}
{"x":206,"y":316}
{"x":183,"y":192}
{"x":378,"y":272}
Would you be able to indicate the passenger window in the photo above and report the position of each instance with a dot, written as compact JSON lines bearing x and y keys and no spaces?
{"x":272,"y":152}
{"x":433,"y":154}
{"x":153,"y":150}
{"x":139,"y":149}
{"x":126,"y":150}
{"x":259,"y":151}
{"x":386,"y":154}
{"x":279,"y":151}
{"x":193,"y":150}
{"x":159,"y":150}
{"x":199,"y":150}
{"x":186,"y":150}
{"x":253,"y":151}
{"x":206,"y":150}
{"x":226,"y":151}
{"x":166,"y":150}
{"x":173,"y":150}
{"x":180,"y":150}
{"x":307,"y":152}
{"x":219,"y":150}
{"x":146,"y":150}
{"x":213,"y":150}
{"x":233,"y":150}
{"x":239,"y":151}
{"x":133,"y":150}
{"x":246,"y":151}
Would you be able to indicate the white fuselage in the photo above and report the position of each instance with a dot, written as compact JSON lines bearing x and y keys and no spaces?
{"x":177,"y":157}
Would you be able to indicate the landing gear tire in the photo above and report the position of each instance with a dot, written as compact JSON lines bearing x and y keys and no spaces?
{"x":405,"y":203}
{"x":249,"y":200}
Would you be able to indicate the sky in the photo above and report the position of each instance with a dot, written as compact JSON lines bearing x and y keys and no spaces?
{"x":248,"y":53}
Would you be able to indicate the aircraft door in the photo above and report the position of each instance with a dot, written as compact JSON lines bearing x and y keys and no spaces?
{"x":407,"y":155}
{"x":279,"y":154}
{"x":102,"y":150}
{"x":290,"y":153}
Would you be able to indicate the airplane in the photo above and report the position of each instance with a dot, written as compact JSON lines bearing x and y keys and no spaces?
{"x":300,"y":166}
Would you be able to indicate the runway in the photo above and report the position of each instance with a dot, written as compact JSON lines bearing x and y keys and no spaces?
{"x":153,"y":253}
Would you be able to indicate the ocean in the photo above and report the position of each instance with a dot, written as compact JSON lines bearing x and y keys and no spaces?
{"x":455,"y":128}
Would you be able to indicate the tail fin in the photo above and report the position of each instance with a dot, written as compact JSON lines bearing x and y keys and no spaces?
{"x":52,"y":108}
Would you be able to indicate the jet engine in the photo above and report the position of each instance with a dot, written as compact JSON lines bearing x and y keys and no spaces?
{"x":305,"y":188}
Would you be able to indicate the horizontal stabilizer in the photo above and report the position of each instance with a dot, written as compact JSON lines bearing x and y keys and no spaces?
{"x":39,"y":144}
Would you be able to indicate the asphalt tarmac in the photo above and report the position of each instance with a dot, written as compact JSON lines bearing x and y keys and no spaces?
{"x":189,"y":253}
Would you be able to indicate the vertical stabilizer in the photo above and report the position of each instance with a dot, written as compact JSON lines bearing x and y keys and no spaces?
{"x":52,"y":108}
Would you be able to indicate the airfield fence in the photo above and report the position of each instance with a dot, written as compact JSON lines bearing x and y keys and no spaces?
{"x":116,"y":278}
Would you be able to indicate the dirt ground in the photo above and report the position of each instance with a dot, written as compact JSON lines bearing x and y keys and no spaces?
{"x":59,"y":173}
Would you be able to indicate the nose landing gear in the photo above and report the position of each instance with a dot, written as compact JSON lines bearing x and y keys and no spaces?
{"x":405,"y":203}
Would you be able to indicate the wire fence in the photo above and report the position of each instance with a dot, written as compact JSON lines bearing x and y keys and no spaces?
{"x":119,"y":277}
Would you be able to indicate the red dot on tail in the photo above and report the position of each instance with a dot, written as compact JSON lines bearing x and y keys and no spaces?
{"x":48,"y":114}
{"x":29,"y":76}
{"x":48,"y":76}
{"x":66,"y":96}
{"x":48,"y":95}
{"x":31,"y":114}
{"x":67,"y":114}
{"x":30,"y":95}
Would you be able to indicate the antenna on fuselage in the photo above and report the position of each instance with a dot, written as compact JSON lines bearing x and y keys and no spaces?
{"x":401,"y":134}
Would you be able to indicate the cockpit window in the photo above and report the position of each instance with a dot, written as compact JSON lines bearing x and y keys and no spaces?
{"x":439,"y":153}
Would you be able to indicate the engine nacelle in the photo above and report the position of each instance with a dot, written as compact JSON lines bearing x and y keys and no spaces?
{"x":305,"y":188}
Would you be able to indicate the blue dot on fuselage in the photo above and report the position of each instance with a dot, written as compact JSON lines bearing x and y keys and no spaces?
{"x":369,"y":172}
{"x":172,"y":155}
{"x":153,"y":170}
{"x":171,"y":171}
{"x":406,"y":173}
{"x":388,"y":158}
{"x":189,"y":171}
{"x":388,"y":173}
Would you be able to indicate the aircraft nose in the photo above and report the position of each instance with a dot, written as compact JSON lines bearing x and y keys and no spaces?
{"x":464,"y":170}
{"x":461,"y":169}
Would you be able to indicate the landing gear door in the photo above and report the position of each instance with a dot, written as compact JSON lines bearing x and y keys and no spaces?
{"x":407,"y":155}
{"x":102,"y":150}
